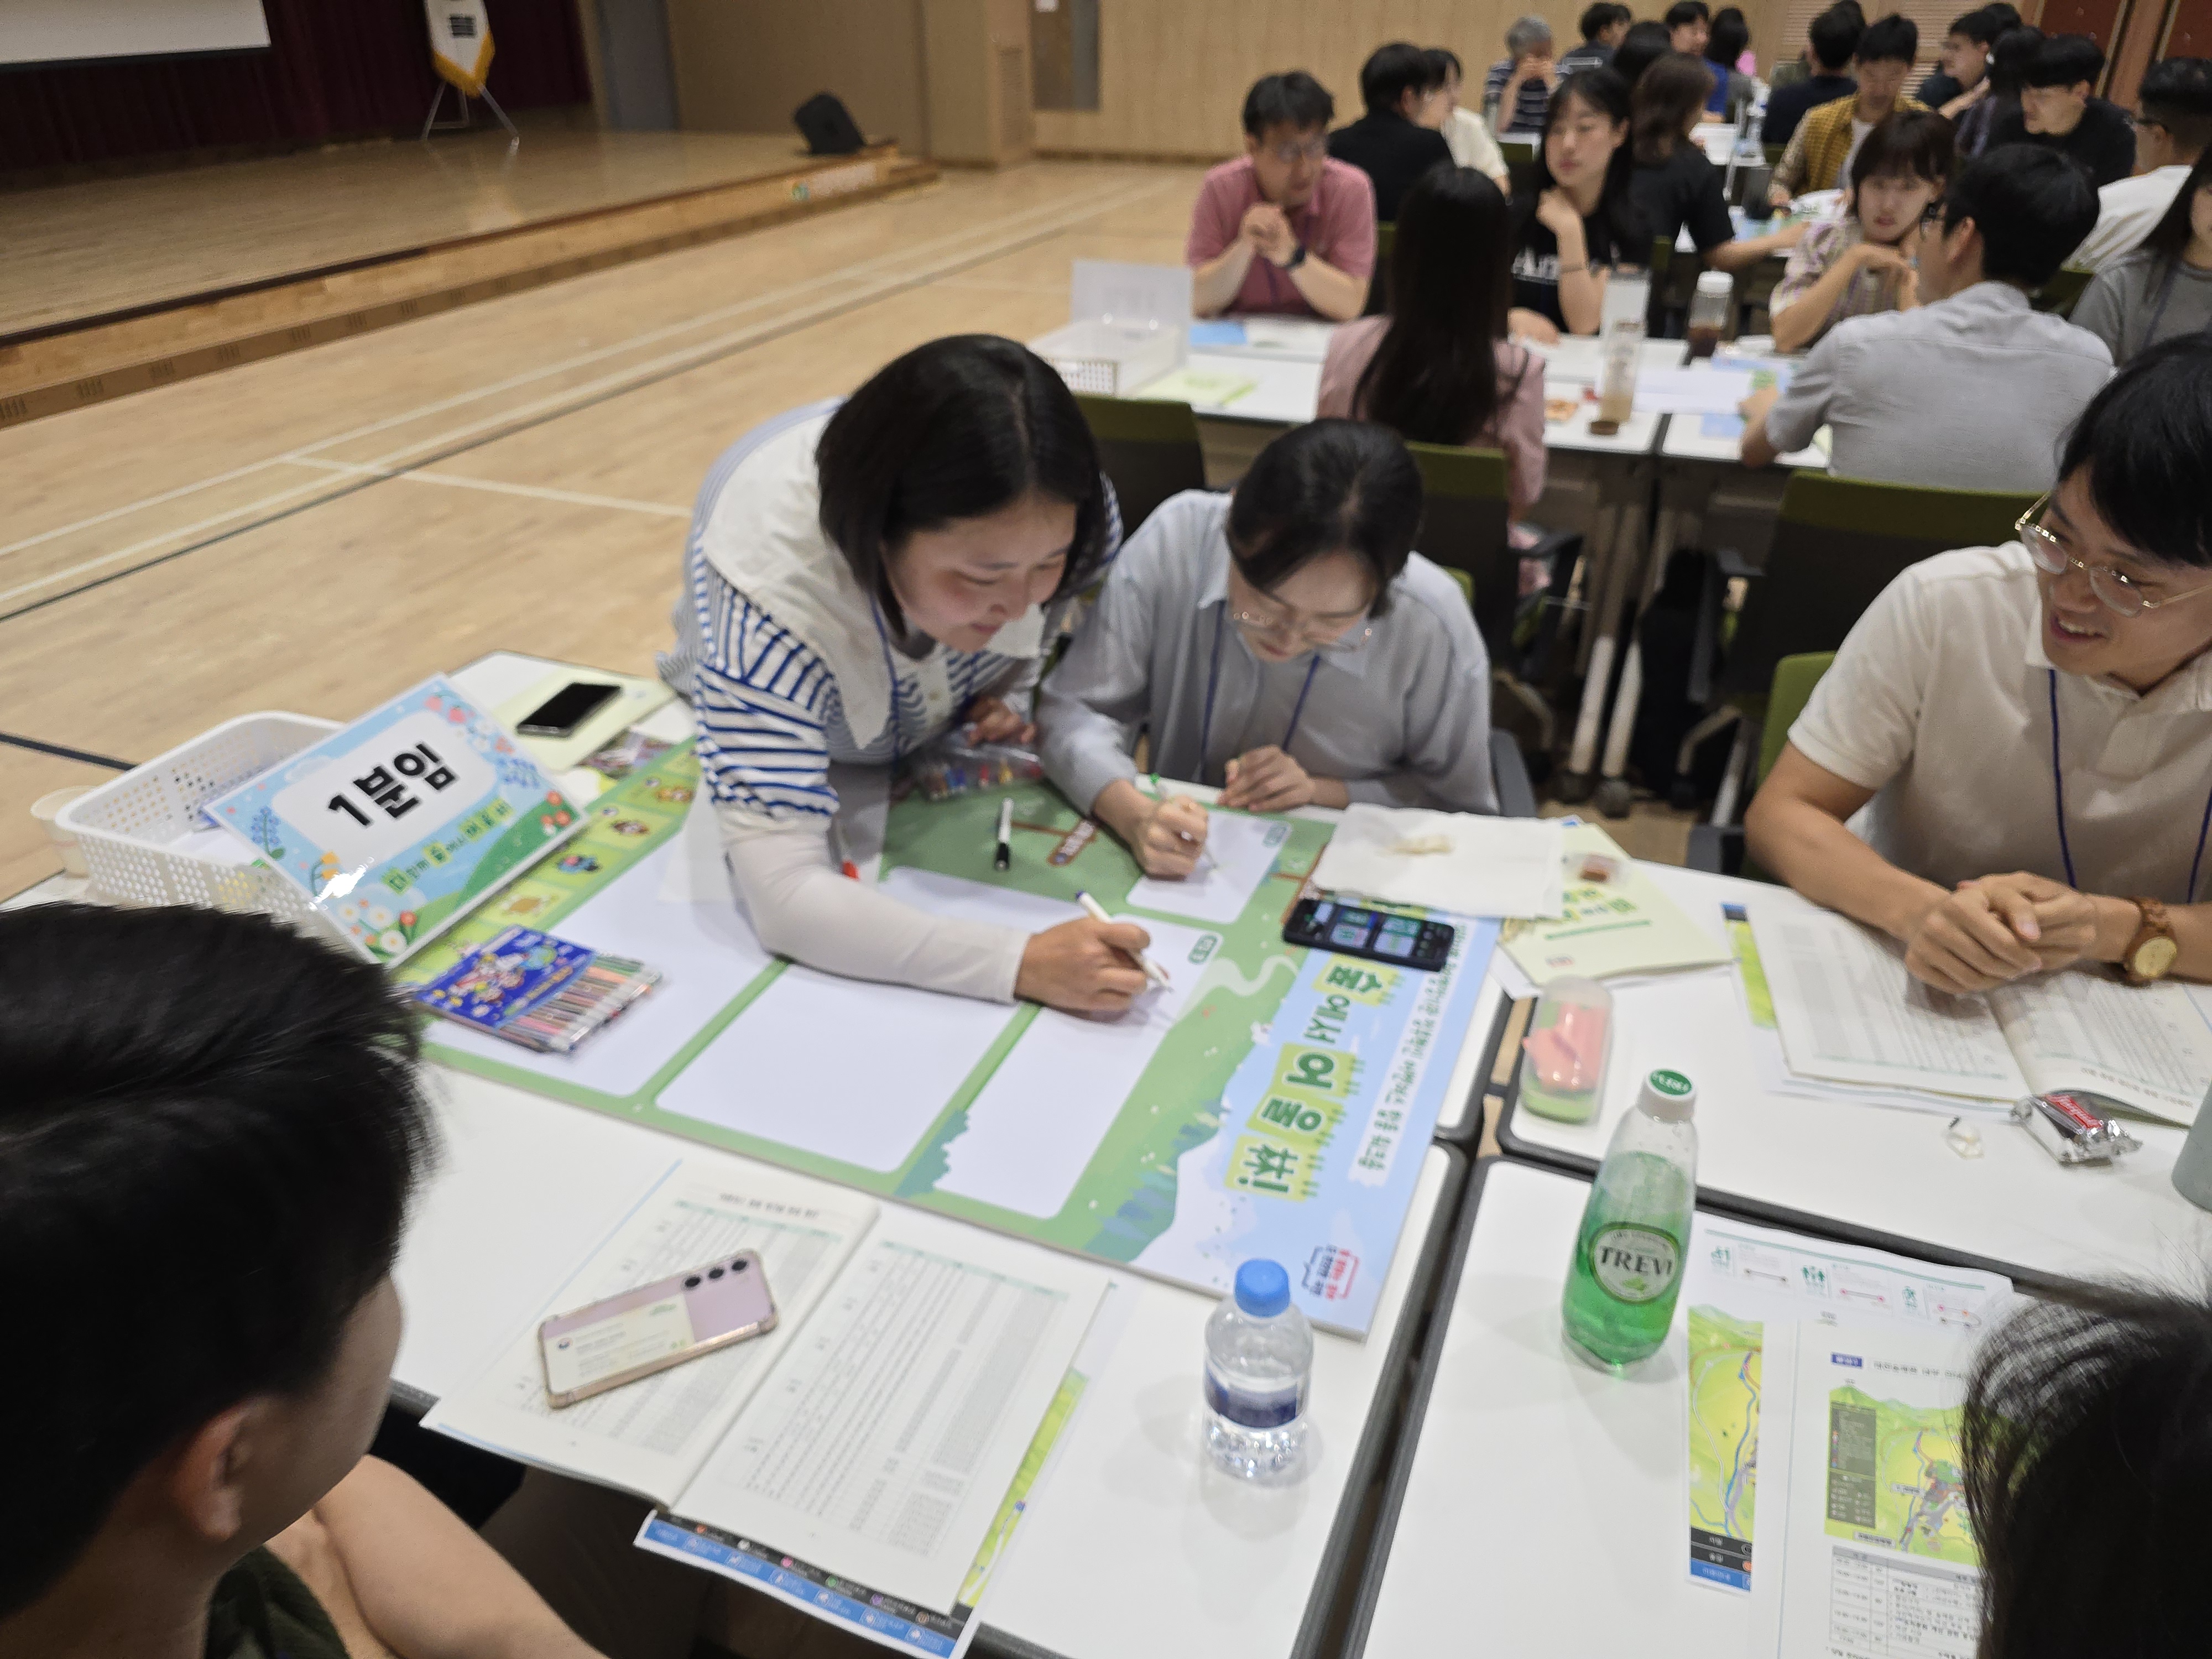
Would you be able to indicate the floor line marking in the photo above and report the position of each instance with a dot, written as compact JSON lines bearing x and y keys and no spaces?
{"x":616,"y":387}
{"x":499,"y":487}
{"x":856,"y":272}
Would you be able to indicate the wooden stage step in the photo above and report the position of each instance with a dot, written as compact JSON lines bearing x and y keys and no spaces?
{"x":91,"y":360}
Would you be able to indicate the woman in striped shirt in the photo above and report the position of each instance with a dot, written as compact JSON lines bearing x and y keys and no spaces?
{"x":859,"y":578}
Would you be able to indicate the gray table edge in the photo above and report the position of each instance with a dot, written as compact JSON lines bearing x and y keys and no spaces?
{"x":1373,"y":1442}
{"x":1720,"y":1201}
{"x":1370,"y":1588}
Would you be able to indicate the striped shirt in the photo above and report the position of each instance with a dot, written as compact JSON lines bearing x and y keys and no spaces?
{"x":769,"y":713}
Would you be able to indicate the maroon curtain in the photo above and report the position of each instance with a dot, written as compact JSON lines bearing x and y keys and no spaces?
{"x":333,"y":68}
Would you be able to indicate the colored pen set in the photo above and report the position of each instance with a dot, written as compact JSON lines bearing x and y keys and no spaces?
{"x":540,"y":992}
{"x":941,"y":770}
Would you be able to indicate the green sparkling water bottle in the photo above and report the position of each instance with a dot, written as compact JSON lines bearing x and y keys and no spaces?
{"x":1627,"y":1269}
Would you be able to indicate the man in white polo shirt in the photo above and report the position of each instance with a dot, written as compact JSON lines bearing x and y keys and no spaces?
{"x":1972,"y":388}
{"x":2028,"y":728}
{"x":2173,"y":124}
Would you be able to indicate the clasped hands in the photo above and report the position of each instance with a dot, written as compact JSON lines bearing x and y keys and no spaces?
{"x":1995,"y":929}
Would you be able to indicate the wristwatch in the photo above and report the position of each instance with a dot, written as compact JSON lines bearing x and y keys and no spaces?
{"x":1297,"y":257}
{"x":2149,"y":955}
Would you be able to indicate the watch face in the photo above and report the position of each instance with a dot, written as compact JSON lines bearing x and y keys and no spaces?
{"x":2154,"y":956}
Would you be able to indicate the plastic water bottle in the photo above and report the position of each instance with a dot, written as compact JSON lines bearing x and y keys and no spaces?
{"x":1627,"y":1268}
{"x":1259,"y":1353}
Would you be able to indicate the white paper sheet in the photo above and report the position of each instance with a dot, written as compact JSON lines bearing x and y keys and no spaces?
{"x":974,"y":900}
{"x":1850,"y":1012}
{"x":843,"y":1067}
{"x":651,"y":1435}
{"x":1240,"y":851}
{"x":705,"y":952}
{"x":1039,"y":1120}
{"x":1879,"y":1562}
{"x":889,"y":1435}
{"x":1494,"y":866}
{"x":1691,"y":390}
{"x":2145,"y":1046}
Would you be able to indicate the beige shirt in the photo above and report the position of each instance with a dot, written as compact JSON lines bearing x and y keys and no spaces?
{"x":1941,"y":699}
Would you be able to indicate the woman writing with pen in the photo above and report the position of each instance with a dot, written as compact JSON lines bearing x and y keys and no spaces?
{"x":859,"y":578}
{"x":1284,"y":643}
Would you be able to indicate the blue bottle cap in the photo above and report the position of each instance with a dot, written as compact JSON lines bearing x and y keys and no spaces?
{"x":1263,"y":1289}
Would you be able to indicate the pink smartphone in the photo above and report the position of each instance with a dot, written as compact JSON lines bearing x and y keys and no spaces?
{"x":654,"y":1327}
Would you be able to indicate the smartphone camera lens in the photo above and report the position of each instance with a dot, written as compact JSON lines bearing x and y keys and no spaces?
{"x":714,"y":1273}
{"x":692,"y":1282}
{"x":738,"y":1267}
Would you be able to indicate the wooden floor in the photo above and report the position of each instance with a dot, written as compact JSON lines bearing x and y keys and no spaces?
{"x":317,"y":532}
{"x":109,"y":244}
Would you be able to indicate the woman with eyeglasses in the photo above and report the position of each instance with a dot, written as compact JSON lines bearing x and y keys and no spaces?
{"x":862,"y":577}
{"x":1284,"y":643}
{"x":2023,"y":734}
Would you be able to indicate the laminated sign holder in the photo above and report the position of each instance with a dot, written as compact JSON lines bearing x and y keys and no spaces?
{"x":460,"y":50}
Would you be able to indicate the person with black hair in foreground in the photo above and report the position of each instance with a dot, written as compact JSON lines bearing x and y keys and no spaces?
{"x":1973,"y":389}
{"x":2164,"y":288}
{"x":1284,"y":642}
{"x":1675,"y":184}
{"x":1283,"y":228}
{"x":1438,"y":368}
{"x":2173,"y":128}
{"x":1578,"y":219}
{"x":1397,"y":140}
{"x":2026,"y":722}
{"x":2087,"y":1460}
{"x":209,"y":1135}
{"x":1830,"y":42}
{"x":2057,"y":108}
{"x":861,"y":578}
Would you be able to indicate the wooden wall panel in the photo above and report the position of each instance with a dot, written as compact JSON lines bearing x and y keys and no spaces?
{"x":1173,"y":73}
{"x":743,"y":66}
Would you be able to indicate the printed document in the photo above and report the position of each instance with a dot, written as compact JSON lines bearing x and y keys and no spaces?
{"x":1239,"y":852}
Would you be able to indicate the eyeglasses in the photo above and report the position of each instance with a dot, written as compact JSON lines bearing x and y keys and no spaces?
{"x":1314,"y":149}
{"x":2116,"y":592}
{"x":1281,"y":630}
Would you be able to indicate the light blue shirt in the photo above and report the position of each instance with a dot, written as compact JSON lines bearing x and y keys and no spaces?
{"x":1403,"y":720}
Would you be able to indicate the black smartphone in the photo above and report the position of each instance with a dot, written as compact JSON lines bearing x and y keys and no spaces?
{"x":1351,"y":930}
{"x":567,"y":708}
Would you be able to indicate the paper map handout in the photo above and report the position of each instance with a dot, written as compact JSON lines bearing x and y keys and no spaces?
{"x":1273,"y":1102}
{"x":396,"y":825}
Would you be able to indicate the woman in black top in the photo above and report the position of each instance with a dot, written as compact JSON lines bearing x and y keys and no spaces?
{"x":1576,"y":220}
{"x":1674,"y":185}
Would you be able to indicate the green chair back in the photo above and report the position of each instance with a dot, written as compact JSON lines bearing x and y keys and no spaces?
{"x":1774,"y":153}
{"x":2060,"y":293}
{"x":1463,"y":518}
{"x":1149,"y":450}
{"x":1791,"y":689}
{"x":1838,"y":543}
{"x":1519,"y":155}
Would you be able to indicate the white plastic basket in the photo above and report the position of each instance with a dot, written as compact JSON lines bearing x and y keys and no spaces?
{"x":1108,"y":359}
{"x":128,"y":827}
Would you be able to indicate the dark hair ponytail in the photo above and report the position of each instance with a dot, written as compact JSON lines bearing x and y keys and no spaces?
{"x":1434,"y":377}
{"x":959,"y":429}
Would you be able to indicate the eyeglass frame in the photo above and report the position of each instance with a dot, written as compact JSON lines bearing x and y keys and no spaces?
{"x":1290,"y":154}
{"x":2034,"y":536}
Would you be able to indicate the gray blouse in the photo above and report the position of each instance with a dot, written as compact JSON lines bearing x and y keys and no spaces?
{"x":1403,"y":720}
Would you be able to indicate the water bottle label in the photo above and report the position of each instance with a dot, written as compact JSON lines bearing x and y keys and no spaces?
{"x":1635,"y":1264}
{"x":1275,"y":1409}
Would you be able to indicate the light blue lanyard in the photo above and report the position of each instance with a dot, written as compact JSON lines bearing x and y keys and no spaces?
{"x":1213,"y":680}
{"x":2058,"y":796}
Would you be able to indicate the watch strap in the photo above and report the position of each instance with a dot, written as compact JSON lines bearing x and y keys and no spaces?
{"x":1297,"y":257}
{"x":2156,"y":925}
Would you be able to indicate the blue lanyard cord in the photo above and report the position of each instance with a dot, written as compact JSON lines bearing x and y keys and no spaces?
{"x":1213,"y":679}
{"x":2058,"y":793}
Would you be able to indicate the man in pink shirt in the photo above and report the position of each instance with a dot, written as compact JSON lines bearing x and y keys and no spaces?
{"x":1286,"y":229}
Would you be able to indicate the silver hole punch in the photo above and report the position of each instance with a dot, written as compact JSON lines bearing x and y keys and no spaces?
{"x":2069,"y":1124}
